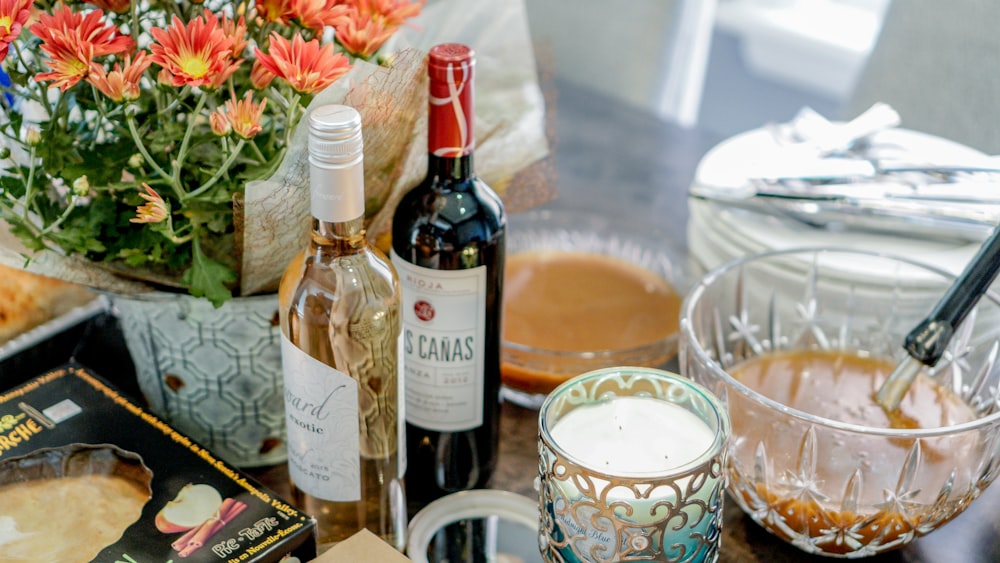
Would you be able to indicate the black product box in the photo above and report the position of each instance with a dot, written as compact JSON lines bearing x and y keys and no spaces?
{"x":70,"y":410}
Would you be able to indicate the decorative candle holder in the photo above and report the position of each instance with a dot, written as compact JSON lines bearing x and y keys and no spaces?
{"x":624,"y":483}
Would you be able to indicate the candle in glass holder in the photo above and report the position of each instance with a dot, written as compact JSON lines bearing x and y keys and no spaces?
{"x":632,"y":435}
{"x":631,"y":468}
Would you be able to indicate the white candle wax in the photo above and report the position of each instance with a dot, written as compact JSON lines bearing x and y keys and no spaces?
{"x":628,"y":435}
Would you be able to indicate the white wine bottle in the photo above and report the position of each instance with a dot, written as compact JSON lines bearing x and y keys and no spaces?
{"x":340,"y":352}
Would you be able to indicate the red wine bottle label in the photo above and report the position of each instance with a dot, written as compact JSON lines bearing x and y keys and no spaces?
{"x":321,"y":418}
{"x":444,"y":328}
{"x":401,"y":407}
{"x":450,"y":132}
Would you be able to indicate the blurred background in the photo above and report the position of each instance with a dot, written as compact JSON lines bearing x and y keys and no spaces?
{"x":727,"y":66}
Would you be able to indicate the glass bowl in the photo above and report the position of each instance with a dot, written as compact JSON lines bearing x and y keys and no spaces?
{"x":548,"y":333}
{"x":831,"y":485}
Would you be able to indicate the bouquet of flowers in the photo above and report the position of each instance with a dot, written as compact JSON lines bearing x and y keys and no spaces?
{"x":132,"y":126}
{"x":153,"y":143}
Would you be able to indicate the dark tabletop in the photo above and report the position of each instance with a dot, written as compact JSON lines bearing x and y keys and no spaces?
{"x":626,"y":162}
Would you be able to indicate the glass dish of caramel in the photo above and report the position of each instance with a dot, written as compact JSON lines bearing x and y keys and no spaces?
{"x":582,"y":292}
{"x":797,"y":342}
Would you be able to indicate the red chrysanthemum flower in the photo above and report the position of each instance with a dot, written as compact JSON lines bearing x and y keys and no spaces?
{"x":13,"y":15}
{"x":307,"y":66}
{"x":73,"y":41}
{"x":118,"y":6}
{"x":196,"y":54}
{"x":316,"y":14}
{"x":275,"y":11}
{"x":120,"y":84}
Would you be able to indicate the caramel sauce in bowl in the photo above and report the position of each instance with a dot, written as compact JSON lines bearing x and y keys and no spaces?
{"x":583,"y":292}
{"x":797,"y":349}
{"x":840,"y":386}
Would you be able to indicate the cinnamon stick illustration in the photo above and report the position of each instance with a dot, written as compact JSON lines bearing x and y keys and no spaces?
{"x":198,"y":536}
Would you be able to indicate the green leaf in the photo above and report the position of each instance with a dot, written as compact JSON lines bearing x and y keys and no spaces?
{"x":14,"y":185}
{"x":103,"y":164}
{"x":208,"y":278}
{"x":57,"y":148}
{"x":83,"y":229}
{"x":16,"y":120}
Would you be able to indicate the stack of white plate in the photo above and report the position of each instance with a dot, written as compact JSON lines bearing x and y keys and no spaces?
{"x":718,"y":233}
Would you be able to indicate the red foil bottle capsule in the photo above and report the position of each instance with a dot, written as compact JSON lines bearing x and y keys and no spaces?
{"x":451,"y":68}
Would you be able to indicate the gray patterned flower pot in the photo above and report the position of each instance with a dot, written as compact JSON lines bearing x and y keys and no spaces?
{"x":214,"y":374}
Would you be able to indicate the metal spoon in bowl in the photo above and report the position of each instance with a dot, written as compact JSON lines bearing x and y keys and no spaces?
{"x":926,"y":343}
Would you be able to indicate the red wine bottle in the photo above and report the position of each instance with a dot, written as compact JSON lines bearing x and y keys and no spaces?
{"x":448,"y":238}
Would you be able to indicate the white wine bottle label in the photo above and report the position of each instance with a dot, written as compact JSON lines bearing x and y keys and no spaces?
{"x":321,"y":417}
{"x":444,"y":326}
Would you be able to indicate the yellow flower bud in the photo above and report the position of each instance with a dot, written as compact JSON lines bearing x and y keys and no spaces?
{"x":32,"y":136}
{"x":81,"y":186}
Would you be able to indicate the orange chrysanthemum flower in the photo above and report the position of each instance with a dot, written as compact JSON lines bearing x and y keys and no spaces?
{"x":13,"y":15}
{"x":155,"y":210}
{"x":237,"y":30}
{"x":196,"y":54}
{"x":73,"y":41}
{"x":307,"y":66}
{"x":260,"y":77}
{"x":244,"y":115}
{"x":390,"y":12}
{"x":316,"y":14}
{"x":120,"y":84}
{"x":219,"y":123}
{"x":368,"y":24}
{"x":275,"y":11}
{"x":362,"y":35}
{"x":118,"y":6}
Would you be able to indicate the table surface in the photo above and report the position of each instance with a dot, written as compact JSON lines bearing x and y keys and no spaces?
{"x":622,"y":161}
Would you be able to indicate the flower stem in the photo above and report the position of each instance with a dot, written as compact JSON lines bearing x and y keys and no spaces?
{"x":175,"y":178}
{"x":14,"y":203}
{"x":102,"y":113}
{"x":29,"y":184}
{"x":218,"y":173}
{"x":134,"y":17}
{"x":177,"y":239}
{"x":62,"y":217}
{"x":176,"y":100}
{"x":260,"y":156}
{"x":129,"y":118}
{"x":290,"y":121}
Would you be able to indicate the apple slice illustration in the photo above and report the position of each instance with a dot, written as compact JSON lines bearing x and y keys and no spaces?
{"x":193,"y":504}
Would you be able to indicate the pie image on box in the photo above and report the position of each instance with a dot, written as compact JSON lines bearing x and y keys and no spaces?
{"x":170,"y":498}
{"x":67,"y":504}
